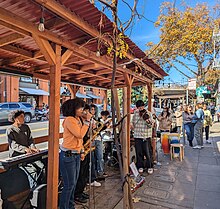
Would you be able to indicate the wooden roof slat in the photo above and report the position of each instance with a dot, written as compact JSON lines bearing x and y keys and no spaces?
{"x":86,"y":27}
{"x":10,"y":39}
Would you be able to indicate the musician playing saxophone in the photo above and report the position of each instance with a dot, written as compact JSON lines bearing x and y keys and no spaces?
{"x":19,"y":135}
{"x":142,"y":123}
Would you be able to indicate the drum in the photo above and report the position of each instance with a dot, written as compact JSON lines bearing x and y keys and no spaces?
{"x":165,"y":142}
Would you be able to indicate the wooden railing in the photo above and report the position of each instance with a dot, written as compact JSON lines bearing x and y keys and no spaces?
{"x":38,"y":140}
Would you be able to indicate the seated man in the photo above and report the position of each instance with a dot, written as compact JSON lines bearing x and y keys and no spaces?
{"x":19,"y":135}
{"x":21,"y":142}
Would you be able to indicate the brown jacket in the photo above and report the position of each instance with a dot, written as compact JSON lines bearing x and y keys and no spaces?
{"x":73,"y":134}
{"x":179,"y":118}
{"x":165,"y":123}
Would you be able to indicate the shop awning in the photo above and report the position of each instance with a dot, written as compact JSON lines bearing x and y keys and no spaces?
{"x":92,"y":96}
{"x":79,"y":95}
{"x":39,"y":92}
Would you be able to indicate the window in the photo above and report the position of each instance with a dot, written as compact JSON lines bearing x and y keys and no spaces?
{"x":14,"y":106}
{"x":27,"y":105}
{"x":4,"y":106}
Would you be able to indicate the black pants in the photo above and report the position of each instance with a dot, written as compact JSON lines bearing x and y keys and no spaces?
{"x":143,"y":149}
{"x":83,"y":176}
{"x":206,"y":129}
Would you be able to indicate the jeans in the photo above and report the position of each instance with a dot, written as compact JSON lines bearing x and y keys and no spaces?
{"x":189,"y":128}
{"x":198,"y":133}
{"x":143,"y":149}
{"x":99,"y":156}
{"x":206,"y":129}
{"x":83,"y":176}
{"x":69,"y":168}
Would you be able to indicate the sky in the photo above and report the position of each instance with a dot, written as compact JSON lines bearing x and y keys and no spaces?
{"x":144,"y":31}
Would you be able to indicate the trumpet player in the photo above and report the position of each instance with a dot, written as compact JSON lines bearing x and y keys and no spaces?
{"x":142,"y":123}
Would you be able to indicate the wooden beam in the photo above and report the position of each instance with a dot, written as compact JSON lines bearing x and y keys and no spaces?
{"x":79,"y":51}
{"x":45,"y":48}
{"x":129,"y":81}
{"x":54,"y":127}
{"x":10,"y":39}
{"x":4,"y":147}
{"x":66,"y":56}
{"x":18,"y":50}
{"x":124,"y":151}
{"x":17,"y":59}
{"x":14,"y":28}
{"x":150,"y":94}
{"x":73,"y":90}
{"x":89,"y":67}
{"x":59,"y":9}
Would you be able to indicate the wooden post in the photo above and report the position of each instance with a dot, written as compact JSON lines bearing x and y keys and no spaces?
{"x":54,"y":129}
{"x":124,"y":150}
{"x":73,"y":90}
{"x":149,"y":86}
{"x":105,"y":102}
{"x":128,"y":80}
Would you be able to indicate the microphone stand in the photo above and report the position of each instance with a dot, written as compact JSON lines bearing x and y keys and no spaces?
{"x":90,"y":162}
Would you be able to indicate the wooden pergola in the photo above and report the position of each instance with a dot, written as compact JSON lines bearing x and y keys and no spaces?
{"x":67,"y":52}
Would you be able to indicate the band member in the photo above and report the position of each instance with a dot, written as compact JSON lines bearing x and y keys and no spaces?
{"x":96,"y":162}
{"x":142,"y":125}
{"x":21,"y":142}
{"x":80,"y":195}
{"x":72,"y":149}
{"x":19,"y":135}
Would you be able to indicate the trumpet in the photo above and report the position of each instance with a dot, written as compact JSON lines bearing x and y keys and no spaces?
{"x":95,"y":134}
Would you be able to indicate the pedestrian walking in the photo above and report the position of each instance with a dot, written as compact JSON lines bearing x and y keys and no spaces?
{"x":207,"y":122}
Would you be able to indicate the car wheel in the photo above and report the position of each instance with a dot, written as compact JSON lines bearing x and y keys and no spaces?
{"x":27,"y":118}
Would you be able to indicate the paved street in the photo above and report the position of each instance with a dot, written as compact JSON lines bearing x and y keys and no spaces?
{"x":38,"y":128}
{"x":191,"y":184}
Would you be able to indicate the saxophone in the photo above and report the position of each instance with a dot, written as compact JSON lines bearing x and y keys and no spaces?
{"x":95,"y":134}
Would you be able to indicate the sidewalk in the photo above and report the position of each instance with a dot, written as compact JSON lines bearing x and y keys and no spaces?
{"x":191,"y":184}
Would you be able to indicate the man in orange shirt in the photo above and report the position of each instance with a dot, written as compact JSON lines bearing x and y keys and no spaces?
{"x":72,"y":149}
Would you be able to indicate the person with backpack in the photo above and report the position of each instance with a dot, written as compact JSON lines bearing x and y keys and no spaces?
{"x":207,"y":123}
{"x":198,"y":121}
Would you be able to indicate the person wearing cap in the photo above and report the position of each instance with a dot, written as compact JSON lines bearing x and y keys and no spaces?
{"x":19,"y":135}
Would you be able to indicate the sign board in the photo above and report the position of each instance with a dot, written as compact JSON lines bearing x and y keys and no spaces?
{"x":202,"y":90}
{"x":192,"y":84}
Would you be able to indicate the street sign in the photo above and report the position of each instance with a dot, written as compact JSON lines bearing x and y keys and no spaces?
{"x":192,"y":84}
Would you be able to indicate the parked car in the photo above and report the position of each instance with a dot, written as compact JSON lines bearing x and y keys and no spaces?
{"x":7,"y":107}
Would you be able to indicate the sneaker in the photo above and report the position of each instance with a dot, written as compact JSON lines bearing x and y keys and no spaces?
{"x":80,"y":199}
{"x":96,"y":184}
{"x":208,"y":142}
{"x":140,"y":170}
{"x":202,"y":146}
{"x":84,"y":195}
{"x":150,"y":170}
{"x":196,"y":147}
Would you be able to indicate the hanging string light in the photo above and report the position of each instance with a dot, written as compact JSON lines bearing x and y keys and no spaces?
{"x":41,"y":27}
